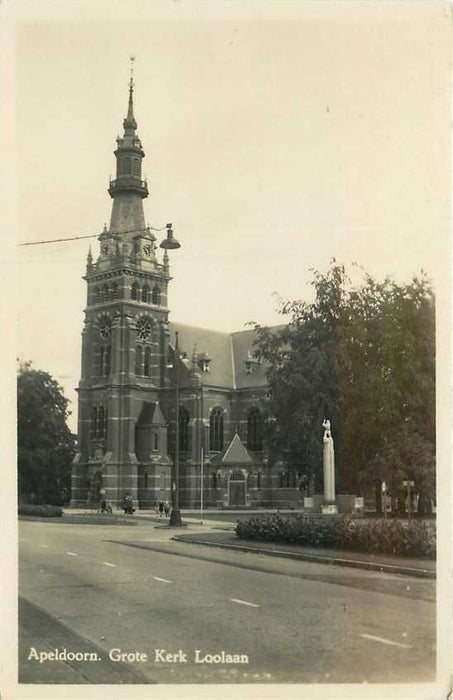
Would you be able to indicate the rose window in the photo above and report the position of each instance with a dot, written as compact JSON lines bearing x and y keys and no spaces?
{"x":144,"y":328}
{"x":105,"y":328}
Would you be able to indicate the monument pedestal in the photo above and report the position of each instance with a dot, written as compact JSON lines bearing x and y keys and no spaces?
{"x":329,"y":509}
{"x":344,"y":503}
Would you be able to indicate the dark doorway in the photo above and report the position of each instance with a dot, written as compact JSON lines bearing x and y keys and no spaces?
{"x":237,"y":489}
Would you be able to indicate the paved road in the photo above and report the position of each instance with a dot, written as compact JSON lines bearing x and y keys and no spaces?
{"x":91,"y":589}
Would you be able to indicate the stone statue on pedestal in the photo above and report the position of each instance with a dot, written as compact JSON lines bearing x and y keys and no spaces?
{"x":328,"y":464}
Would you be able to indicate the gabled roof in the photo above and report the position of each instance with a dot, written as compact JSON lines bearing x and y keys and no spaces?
{"x":228,"y":353}
{"x":215,"y":343}
{"x":151,"y":415}
{"x":236,"y":453}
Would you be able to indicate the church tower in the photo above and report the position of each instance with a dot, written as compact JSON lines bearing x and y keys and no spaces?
{"x":122,"y":433}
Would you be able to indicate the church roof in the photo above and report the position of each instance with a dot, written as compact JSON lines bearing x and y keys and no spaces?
{"x":228,"y":353}
{"x":235,"y":453}
{"x":151,"y":414}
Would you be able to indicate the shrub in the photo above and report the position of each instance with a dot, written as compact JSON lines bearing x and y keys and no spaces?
{"x":43,"y":511}
{"x":404,"y":538}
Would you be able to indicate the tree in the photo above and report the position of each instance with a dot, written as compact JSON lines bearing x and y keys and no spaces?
{"x":363,"y":356}
{"x":388,"y":386}
{"x":46,"y":446}
{"x":302,"y":360}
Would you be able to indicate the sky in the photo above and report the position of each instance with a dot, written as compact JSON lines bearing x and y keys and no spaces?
{"x":277,"y":136}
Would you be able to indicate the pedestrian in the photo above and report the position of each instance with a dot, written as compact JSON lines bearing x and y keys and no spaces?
{"x":128,"y":505}
{"x":167,"y":509}
{"x":161,"y":509}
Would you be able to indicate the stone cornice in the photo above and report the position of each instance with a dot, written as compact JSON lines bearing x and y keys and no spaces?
{"x":127,"y":271}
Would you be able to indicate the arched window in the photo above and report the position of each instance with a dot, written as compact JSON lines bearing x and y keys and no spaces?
{"x":183,"y":428}
{"x":106,"y":360}
{"x":156,"y":441}
{"x":94,"y":419}
{"x":156,"y":295}
{"x":281,"y":479}
{"x":97,"y":295}
{"x":254,"y":429}
{"x":136,"y":166}
{"x":259,"y":480}
{"x":146,"y":294}
{"x":214,"y":480}
{"x":216,"y":430}
{"x":147,"y":362}
{"x":145,"y":480}
{"x":135,"y":291}
{"x":138,"y":360}
{"x":127,"y":165}
{"x":100,"y":422}
{"x":114,"y":291}
{"x":105,"y":292}
{"x":101,"y":361}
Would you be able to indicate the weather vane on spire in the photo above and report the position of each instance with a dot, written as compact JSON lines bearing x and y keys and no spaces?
{"x":132,"y":59}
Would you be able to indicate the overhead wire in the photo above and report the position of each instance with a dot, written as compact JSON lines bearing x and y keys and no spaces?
{"x":79,"y":238}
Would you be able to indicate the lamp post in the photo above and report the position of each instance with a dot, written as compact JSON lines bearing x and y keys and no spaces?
{"x":171,"y":243}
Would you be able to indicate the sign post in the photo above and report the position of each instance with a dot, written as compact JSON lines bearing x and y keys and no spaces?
{"x":384,"y":497}
{"x":409,"y":484}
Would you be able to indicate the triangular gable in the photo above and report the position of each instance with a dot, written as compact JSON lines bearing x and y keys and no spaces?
{"x":236,"y":453}
{"x":158,"y":417}
{"x":151,"y":415}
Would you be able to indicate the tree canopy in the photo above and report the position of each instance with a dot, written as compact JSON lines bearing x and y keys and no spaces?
{"x":46,"y":446}
{"x":362,"y":355}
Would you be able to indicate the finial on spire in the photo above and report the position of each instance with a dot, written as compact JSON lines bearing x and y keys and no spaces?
{"x":130,"y":121}
{"x":89,"y":257}
{"x":131,"y":82}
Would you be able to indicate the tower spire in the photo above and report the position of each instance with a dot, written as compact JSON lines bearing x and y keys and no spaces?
{"x":129,"y":155}
{"x":129,"y":124}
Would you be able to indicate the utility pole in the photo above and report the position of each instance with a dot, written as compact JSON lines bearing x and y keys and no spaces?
{"x":175,"y":517}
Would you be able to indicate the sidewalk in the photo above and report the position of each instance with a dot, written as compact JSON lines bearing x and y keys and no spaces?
{"x":420,"y":568}
{"x":191,"y":518}
{"x":220,"y":533}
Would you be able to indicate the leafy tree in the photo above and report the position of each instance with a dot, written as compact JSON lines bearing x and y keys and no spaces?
{"x":362,"y":356}
{"x":303,"y":374}
{"x":46,"y":446}
{"x":388,"y":386}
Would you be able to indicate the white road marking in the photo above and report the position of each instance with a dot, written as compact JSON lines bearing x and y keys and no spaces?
{"x":244,"y":602}
{"x":72,"y":554}
{"x":43,"y":545}
{"x":107,"y":563}
{"x":386,"y":641}
{"x":164,"y":580}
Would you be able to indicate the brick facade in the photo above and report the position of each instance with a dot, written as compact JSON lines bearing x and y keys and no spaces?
{"x":127,"y":405}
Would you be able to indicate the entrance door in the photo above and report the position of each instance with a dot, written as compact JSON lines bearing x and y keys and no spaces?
{"x":237,"y":486}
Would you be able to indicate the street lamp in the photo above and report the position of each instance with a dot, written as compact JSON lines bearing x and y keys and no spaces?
{"x":171,"y":243}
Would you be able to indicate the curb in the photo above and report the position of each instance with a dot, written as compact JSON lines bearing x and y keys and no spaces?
{"x":353,"y":563}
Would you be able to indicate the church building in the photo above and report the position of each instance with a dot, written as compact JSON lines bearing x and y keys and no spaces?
{"x":139,"y":371}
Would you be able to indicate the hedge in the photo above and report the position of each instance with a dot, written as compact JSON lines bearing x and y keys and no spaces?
{"x":42,"y":511}
{"x":413,"y":538}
